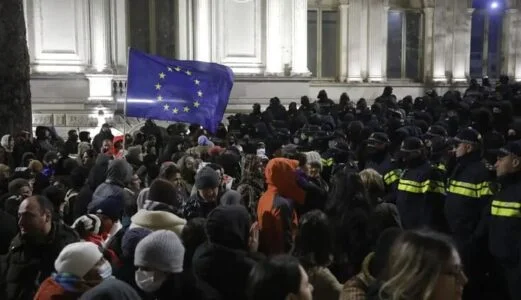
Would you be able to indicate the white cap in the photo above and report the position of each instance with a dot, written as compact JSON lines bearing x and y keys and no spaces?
{"x":78,"y":258}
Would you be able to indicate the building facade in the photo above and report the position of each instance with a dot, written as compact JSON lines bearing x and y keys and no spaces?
{"x":283,"y":48}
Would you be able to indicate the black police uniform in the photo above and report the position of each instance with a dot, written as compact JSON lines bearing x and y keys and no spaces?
{"x":505,"y":225}
{"x":421,"y":191}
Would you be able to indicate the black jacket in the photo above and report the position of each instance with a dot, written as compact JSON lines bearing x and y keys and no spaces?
{"x":420,"y":197}
{"x":27,"y":265}
{"x":8,"y":230}
{"x":505,"y":221}
{"x":196,"y":207}
{"x":468,"y":195}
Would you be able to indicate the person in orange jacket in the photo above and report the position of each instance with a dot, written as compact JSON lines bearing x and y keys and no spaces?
{"x":276,"y":209}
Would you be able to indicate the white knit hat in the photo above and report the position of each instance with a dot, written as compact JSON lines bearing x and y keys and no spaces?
{"x":78,"y":258}
{"x":161,"y":250}
{"x":91,"y":223}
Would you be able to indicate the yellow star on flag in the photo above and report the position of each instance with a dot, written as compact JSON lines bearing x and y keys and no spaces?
{"x":159,"y":98}
{"x":186,"y":109}
{"x":196,"y":82}
{"x":177,"y":69}
{"x":200,"y":93}
{"x":162,"y":75}
{"x":166,"y":107}
{"x":175,"y":110}
{"x":188,"y":73}
{"x":169,"y":69}
{"x":196,"y":104}
{"x":158,"y":86}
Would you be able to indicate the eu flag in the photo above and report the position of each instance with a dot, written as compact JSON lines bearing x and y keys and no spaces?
{"x":177,"y":90}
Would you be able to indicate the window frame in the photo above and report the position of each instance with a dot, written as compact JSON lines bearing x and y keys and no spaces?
{"x":421,"y":54}
{"x":319,"y":11}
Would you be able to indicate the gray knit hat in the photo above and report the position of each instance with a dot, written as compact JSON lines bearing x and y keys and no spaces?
{"x":161,"y":250}
{"x":206,"y":178}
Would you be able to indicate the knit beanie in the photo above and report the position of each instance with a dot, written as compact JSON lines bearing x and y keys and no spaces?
{"x":203,"y":141}
{"x":130,"y":240}
{"x":206,"y":178}
{"x":78,"y":258}
{"x":90,"y":223}
{"x":161,"y":250}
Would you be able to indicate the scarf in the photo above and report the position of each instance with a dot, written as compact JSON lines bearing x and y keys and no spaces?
{"x":72,"y":283}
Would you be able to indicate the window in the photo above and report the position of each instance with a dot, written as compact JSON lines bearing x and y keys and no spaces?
{"x":404,"y":35}
{"x":151,"y":26}
{"x":322,"y":43}
{"x":485,"y":44}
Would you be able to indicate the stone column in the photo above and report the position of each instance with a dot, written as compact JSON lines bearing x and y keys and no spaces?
{"x":100,"y":35}
{"x":357,"y":41}
{"x":202,"y":30}
{"x":184,"y":42}
{"x":377,"y":44}
{"x":343,"y":40}
{"x":509,"y":37}
{"x":428,"y":45}
{"x":299,"y":64}
{"x":119,"y":35}
{"x":439,"y":49}
{"x":273,"y":39}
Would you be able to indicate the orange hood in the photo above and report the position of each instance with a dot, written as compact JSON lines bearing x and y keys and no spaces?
{"x":282,"y":179}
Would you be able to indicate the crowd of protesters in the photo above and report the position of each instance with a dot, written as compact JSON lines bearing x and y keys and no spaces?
{"x":398,"y":200}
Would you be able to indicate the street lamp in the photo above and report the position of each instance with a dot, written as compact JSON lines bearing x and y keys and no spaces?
{"x":494,"y":5}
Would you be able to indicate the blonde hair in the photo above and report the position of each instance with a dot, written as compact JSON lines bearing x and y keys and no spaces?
{"x":35,"y":166}
{"x":416,"y":261}
{"x":373,"y":181}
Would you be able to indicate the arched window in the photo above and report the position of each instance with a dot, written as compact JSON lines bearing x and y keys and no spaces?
{"x":152,"y":26}
{"x":404,"y":47}
{"x":485,"y":44}
{"x":322,"y":42}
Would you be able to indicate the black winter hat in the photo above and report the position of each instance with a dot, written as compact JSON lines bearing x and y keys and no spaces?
{"x":436,"y":130}
{"x":206,"y":178}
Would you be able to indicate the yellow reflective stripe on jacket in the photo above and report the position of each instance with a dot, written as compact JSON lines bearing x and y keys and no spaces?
{"x":327,"y":162}
{"x":421,"y":187}
{"x":441,"y":166}
{"x":469,"y":189}
{"x":392,"y":176}
{"x":505,"y":209}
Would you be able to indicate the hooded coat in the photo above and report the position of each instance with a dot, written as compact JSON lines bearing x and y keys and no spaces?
{"x":97,"y":176}
{"x":223,"y":263}
{"x":276,"y":210}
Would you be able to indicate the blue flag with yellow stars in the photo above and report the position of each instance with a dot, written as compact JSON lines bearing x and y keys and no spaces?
{"x":177,"y":90}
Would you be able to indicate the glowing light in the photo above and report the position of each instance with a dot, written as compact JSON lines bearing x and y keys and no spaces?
{"x":494,"y":5}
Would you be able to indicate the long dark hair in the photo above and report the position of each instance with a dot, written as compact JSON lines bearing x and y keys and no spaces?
{"x":274,"y":278}
{"x":350,"y":212}
{"x":314,"y":240}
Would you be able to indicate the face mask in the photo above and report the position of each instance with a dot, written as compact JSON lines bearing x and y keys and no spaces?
{"x":105,"y":270}
{"x":149,"y":281}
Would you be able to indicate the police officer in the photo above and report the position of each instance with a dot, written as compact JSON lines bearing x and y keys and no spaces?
{"x":421,"y":188}
{"x":505,"y":217}
{"x":468,"y":195}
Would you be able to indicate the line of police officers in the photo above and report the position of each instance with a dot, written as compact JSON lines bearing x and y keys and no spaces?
{"x":479,"y":209}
